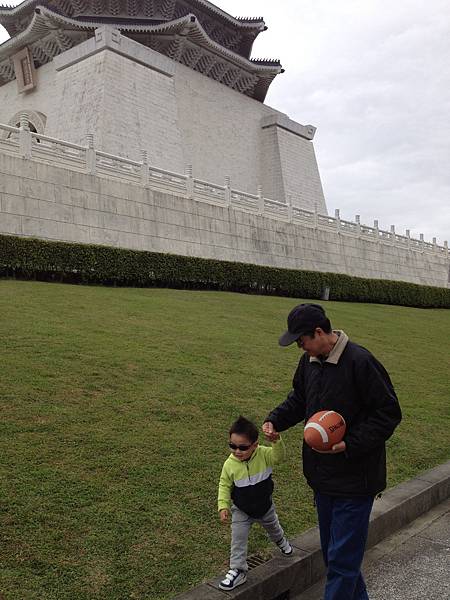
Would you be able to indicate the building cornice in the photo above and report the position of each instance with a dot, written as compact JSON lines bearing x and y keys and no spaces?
{"x":284,"y":122}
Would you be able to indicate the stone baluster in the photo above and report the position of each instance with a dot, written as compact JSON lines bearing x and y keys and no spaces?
{"x":289,"y":208}
{"x":435,"y":244}
{"x":408,"y":235}
{"x":260,"y":200}
{"x":393,"y":233}
{"x":189,"y":182}
{"x":337,"y":216}
{"x":144,"y":167}
{"x":377,"y":230}
{"x":91,"y":158}
{"x":25,"y":136}
{"x":228,"y":190}
{"x":358,"y":223}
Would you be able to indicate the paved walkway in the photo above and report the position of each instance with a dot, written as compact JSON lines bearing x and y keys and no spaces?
{"x":412,"y":564}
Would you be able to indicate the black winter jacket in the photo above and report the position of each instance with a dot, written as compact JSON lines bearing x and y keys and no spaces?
{"x":358,"y":387}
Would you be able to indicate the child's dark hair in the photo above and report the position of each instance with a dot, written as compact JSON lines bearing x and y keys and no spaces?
{"x":243,"y":426}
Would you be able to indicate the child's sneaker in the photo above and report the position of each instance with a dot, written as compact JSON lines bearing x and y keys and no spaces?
{"x":285,"y":547}
{"x":233,"y":578}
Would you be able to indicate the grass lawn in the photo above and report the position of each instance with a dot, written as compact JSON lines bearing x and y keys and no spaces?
{"x":115,"y":409}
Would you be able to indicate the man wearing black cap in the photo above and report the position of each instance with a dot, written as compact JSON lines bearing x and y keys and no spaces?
{"x":337,"y":374}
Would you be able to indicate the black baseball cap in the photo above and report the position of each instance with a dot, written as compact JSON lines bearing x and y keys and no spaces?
{"x":302,"y":319}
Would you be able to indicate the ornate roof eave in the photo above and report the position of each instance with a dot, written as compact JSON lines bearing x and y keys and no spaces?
{"x":38,"y":27}
{"x":8,"y":14}
{"x":45,"y":21}
{"x":246,"y":22}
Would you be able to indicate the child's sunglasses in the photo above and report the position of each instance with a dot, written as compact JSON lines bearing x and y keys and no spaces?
{"x":241,"y":447}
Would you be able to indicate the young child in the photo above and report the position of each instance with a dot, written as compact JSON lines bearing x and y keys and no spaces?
{"x":245,"y":489}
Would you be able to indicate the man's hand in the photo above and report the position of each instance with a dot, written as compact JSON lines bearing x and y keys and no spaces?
{"x":270,"y":432}
{"x":339,"y":447}
{"x":224,"y":515}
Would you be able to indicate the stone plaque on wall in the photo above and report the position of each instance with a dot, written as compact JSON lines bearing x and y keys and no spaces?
{"x":24,"y":70}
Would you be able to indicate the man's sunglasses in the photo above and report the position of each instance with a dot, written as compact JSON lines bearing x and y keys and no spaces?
{"x":241,"y":447}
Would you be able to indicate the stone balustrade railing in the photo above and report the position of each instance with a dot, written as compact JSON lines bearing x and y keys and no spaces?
{"x":20,"y":141}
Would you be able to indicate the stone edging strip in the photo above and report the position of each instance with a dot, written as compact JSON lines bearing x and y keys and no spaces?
{"x":281,"y":577}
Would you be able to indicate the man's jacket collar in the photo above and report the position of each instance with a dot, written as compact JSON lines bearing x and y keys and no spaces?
{"x":337,"y":349}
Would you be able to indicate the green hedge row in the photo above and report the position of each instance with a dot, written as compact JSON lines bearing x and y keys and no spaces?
{"x":27,"y":258}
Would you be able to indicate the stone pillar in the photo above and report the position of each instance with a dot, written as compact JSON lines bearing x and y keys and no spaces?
{"x":91,"y":158}
{"x":377,"y":231}
{"x":228,"y":190}
{"x":189,"y":182}
{"x":337,"y":216}
{"x":25,"y":136}
{"x":260,"y":200}
{"x":144,"y":167}
{"x":289,"y":208}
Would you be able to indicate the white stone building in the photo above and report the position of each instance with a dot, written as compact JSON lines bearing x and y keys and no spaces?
{"x":174,"y":78}
{"x":142,"y":124}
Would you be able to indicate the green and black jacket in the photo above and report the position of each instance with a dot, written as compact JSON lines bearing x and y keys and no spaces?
{"x":249,"y":483}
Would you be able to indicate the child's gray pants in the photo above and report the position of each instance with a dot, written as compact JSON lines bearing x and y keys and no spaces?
{"x":240,"y":529}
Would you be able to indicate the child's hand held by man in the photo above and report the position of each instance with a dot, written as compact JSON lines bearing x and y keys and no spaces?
{"x":270,"y":433}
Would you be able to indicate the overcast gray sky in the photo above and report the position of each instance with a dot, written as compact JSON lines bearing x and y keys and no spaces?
{"x":374,"y":77}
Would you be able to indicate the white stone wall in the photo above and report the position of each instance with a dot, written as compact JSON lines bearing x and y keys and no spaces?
{"x":79,"y":102}
{"x":41,"y":200}
{"x":126,"y":106}
{"x":221,"y":130}
{"x":301,"y":180}
{"x":132,"y":98}
{"x":39,"y":99}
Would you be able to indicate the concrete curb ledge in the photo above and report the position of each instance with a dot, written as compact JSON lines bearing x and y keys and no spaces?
{"x":281,"y":578}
